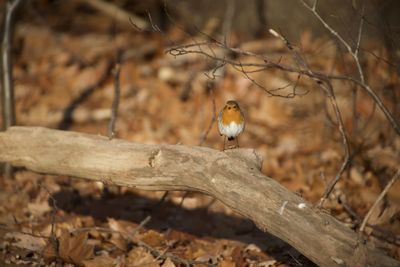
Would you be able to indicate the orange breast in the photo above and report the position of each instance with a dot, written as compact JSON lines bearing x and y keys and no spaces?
{"x":231,"y":115}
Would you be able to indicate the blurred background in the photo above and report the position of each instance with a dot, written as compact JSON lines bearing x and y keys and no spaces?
{"x":175,"y":76}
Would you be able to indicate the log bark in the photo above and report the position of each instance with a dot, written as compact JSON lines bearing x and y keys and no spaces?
{"x":233,"y":176}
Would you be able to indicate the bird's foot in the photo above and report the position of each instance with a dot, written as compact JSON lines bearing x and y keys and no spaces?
{"x":231,"y":147}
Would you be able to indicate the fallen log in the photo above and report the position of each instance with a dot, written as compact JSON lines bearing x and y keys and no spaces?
{"x":233,"y":177}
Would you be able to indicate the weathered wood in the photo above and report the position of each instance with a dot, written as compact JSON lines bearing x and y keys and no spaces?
{"x":233,"y":177}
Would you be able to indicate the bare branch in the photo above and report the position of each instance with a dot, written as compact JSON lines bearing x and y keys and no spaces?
{"x":326,"y":25}
{"x":115,"y":103}
{"x":379,"y":199}
{"x":374,"y":96}
{"x":354,"y":54}
{"x":188,"y":48}
{"x":214,"y":117}
{"x":325,"y":84}
{"x":360,"y":29}
{"x":323,"y":80}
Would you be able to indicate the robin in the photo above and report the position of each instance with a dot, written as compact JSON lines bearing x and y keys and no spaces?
{"x":231,"y":122}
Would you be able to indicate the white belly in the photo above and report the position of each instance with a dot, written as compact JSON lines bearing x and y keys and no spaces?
{"x":231,"y":130}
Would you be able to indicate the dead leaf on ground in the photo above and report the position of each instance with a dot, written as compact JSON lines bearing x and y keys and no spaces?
{"x":75,"y":248}
{"x":152,"y":238}
{"x":139,"y":256}
{"x":168,"y":263}
{"x":103,"y":261}
{"x":26,"y":241}
{"x":124,"y":227}
{"x":37,"y":209}
{"x":227,"y":263}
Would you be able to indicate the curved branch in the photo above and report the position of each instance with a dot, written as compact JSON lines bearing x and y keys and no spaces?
{"x":267,"y":64}
{"x":234,"y":177}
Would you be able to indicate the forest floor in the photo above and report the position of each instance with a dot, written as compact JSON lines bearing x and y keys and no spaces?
{"x":64,"y":79}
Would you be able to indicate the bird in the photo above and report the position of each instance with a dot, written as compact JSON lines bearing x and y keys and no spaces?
{"x":231,"y":122}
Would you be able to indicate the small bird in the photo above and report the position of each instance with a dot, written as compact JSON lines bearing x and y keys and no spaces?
{"x":231,"y":122}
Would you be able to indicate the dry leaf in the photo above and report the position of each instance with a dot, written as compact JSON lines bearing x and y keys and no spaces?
{"x":139,"y":256}
{"x":75,"y":248}
{"x":103,"y":261}
{"x":237,"y":256}
{"x":152,"y":238}
{"x":26,"y":241}
{"x":119,"y":241}
{"x":39,"y":208}
{"x":124,"y":227}
{"x":168,"y":263}
{"x":227,"y":263}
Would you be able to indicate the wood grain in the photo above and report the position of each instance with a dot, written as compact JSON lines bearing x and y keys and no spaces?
{"x":233,"y":177}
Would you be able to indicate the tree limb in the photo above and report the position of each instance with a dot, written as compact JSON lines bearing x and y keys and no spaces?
{"x":234,"y":177}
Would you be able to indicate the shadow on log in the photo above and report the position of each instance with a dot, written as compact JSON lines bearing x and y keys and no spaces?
{"x":233,"y":177}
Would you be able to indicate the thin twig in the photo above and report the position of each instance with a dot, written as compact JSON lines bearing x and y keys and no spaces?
{"x":185,"y":49}
{"x":140,"y":226}
{"x":53,"y":237}
{"x":376,"y":203}
{"x":54,"y":207}
{"x":354,"y":54}
{"x":131,"y":238}
{"x":213,"y":119}
{"x":361,"y":74}
{"x":360,"y":29}
{"x":185,"y":195}
{"x":384,"y":235}
{"x":269,"y":92}
{"x":346,"y":147}
{"x":115,"y":103}
{"x":354,"y":96}
{"x":374,"y":96}
{"x":323,"y":80}
{"x":326,"y":86}
{"x":325,"y":24}
{"x":174,"y":258}
{"x":342,"y":200}
{"x":130,"y":235}
{"x":163,"y":198}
